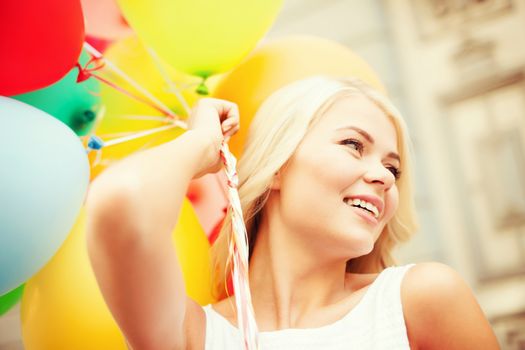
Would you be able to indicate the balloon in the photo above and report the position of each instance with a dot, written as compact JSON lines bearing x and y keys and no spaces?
{"x":40,"y":42}
{"x":193,"y":251}
{"x":62,"y":307}
{"x":214,"y":233}
{"x":201,"y":37}
{"x":75,"y":104}
{"x":43,"y":181}
{"x":208,"y":197}
{"x":130,"y":56}
{"x":104,"y":20}
{"x":7,"y":301}
{"x":280,"y":62}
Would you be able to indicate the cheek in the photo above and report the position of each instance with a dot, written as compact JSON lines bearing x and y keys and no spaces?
{"x":327,"y":169}
{"x":338,"y":170}
{"x":309,"y":188}
{"x":391,"y":203}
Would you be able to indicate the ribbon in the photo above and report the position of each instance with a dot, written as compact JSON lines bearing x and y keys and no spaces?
{"x":238,"y":249}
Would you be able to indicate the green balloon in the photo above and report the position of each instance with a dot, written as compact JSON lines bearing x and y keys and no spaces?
{"x":7,"y":301}
{"x":75,"y":104}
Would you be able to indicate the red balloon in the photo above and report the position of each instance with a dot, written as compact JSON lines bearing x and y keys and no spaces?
{"x":40,"y":41}
{"x":212,"y":236}
{"x":208,"y":197}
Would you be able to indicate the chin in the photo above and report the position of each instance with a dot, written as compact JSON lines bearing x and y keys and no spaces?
{"x":360,"y":243}
{"x":366,"y":249}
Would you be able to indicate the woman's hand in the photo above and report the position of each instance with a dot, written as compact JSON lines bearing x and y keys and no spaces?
{"x":213,"y":121}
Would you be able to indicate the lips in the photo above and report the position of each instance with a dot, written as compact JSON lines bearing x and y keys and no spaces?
{"x":365,"y":214}
{"x":372,"y":204}
{"x":359,"y":203}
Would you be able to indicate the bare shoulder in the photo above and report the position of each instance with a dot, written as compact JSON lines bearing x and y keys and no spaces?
{"x":441,"y":311}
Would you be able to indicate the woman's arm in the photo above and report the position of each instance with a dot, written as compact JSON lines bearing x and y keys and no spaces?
{"x":132,"y":209}
{"x":441,"y":311}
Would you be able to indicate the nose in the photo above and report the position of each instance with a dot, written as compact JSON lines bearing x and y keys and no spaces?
{"x":377,"y":174}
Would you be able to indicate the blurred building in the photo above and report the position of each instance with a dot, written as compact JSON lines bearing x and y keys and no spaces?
{"x":456,"y":69}
{"x":462,"y":64}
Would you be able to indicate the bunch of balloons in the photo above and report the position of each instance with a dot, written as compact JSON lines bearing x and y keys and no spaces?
{"x":45,"y":170}
{"x":131,"y":82}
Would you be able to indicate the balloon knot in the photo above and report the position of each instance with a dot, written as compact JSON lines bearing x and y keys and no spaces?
{"x":202,"y":89}
{"x":84,"y":73}
{"x":88,"y":116}
{"x":94,"y":143}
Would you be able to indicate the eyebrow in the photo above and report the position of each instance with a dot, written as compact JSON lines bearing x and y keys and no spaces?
{"x":370,"y":139}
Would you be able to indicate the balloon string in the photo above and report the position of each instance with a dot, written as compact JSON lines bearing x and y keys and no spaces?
{"x":130,"y":94}
{"x":152,"y":99}
{"x":86,"y":72}
{"x":166,"y":120}
{"x":96,"y":144}
{"x":141,"y":134}
{"x":238,"y":249}
{"x":146,"y":117}
{"x":172,"y":88}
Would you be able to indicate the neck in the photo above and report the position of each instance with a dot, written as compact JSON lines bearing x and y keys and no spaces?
{"x":288,"y":279}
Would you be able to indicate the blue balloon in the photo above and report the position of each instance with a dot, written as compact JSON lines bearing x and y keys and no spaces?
{"x":44,"y":175}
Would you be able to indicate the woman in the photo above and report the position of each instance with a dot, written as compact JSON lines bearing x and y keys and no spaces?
{"x":325,"y":189}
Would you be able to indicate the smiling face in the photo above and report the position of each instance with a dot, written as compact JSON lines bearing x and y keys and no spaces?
{"x":338,"y":190}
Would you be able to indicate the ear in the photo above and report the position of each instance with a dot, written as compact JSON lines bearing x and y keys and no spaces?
{"x":276,"y":181}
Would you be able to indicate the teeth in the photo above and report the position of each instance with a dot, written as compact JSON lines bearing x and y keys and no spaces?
{"x":366,"y":205}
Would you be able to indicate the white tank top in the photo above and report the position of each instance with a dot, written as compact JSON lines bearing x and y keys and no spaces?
{"x":376,"y":322}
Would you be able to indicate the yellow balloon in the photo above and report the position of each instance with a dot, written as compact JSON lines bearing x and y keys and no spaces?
{"x":130,"y":56}
{"x":193,"y":251}
{"x":201,"y":37}
{"x":283,"y":61}
{"x":62,"y":307}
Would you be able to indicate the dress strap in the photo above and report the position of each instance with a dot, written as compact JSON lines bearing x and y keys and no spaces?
{"x":388,"y":308}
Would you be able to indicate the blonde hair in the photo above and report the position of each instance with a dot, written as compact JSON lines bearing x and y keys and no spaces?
{"x":278,"y":127}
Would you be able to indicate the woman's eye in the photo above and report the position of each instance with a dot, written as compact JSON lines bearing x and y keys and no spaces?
{"x":355,"y":144}
{"x":395,"y":171}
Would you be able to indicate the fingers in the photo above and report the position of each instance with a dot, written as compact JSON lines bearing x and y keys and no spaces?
{"x":229,"y":116}
{"x":228,"y":113}
{"x":229,"y":128}
{"x":226,"y":109}
{"x":229,"y":123}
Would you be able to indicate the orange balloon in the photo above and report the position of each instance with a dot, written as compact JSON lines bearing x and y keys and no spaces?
{"x":283,"y":61}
